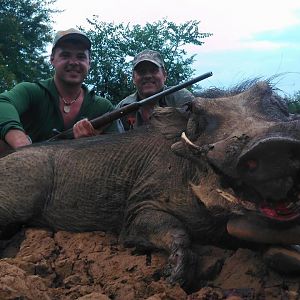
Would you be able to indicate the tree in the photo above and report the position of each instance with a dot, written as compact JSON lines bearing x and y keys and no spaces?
{"x":25,"y":31}
{"x":294,"y":103}
{"x":114,"y":46}
{"x":109,"y":70}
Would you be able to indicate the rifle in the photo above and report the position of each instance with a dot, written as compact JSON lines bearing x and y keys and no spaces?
{"x":109,"y":117}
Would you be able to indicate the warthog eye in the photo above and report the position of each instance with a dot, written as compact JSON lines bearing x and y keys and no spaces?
{"x":251,"y":165}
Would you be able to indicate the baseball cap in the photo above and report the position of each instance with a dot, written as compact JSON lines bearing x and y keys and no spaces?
{"x":71,"y":34}
{"x":148,"y":55}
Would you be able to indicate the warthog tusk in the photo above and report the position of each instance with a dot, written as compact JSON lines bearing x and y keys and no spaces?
{"x":227,"y":196}
{"x":188,"y":141}
{"x":203,"y":149}
{"x":233,"y":199}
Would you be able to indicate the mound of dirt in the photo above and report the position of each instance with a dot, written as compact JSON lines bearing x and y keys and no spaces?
{"x":40,"y":264}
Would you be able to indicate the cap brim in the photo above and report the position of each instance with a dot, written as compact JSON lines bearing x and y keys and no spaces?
{"x":150,"y":60}
{"x":77,"y":37}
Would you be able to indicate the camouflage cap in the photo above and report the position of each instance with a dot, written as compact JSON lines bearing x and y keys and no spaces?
{"x":148,"y":55}
{"x":71,"y":34}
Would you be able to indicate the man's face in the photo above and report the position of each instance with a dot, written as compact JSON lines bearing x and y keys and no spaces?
{"x":71,"y":62}
{"x":148,"y":78}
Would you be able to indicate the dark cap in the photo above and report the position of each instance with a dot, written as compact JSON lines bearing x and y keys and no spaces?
{"x":72,"y":34}
{"x":148,"y":55}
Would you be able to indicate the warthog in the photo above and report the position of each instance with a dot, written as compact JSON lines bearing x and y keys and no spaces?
{"x":220,"y":171}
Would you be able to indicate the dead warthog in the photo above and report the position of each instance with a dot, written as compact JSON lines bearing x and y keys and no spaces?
{"x":223,"y":170}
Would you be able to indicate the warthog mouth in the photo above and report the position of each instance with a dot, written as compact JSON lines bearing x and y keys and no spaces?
{"x":282,"y":211}
{"x":270,"y":178}
{"x":286,"y":210}
{"x":266,"y":179}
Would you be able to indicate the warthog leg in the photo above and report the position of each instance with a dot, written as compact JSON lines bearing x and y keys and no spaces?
{"x":157,"y":230}
{"x":24,"y":189}
{"x":258,"y":230}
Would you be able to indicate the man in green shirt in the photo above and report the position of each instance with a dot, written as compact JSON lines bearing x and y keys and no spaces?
{"x":32,"y":112}
{"x":149,"y":76}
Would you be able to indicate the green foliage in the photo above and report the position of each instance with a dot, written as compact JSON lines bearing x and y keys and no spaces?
{"x":109,"y":70}
{"x":297,"y":96}
{"x":294,"y":103}
{"x":25,"y":31}
{"x":115,"y":45}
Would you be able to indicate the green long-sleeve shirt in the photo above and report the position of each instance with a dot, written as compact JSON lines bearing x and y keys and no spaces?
{"x":34,"y":109}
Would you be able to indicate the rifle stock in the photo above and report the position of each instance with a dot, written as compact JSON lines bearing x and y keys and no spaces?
{"x":109,"y":117}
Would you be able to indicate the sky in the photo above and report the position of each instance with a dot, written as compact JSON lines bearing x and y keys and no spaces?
{"x":251,"y":39}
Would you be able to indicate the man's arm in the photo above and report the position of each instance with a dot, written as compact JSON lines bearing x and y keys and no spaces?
{"x":16,"y":138}
{"x":179,"y":98}
{"x":84,"y":128}
{"x":12,"y":104}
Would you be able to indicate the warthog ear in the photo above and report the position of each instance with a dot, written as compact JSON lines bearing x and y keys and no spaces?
{"x":170,"y":121}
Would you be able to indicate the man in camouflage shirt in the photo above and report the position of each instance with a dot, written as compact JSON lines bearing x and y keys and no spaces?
{"x":149,"y":76}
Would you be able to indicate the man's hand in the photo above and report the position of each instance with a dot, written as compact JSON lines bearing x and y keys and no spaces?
{"x":17,"y":138}
{"x":84,"y":128}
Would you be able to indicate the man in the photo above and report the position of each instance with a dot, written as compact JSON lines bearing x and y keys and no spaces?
{"x":31,"y":112}
{"x":149,"y":77}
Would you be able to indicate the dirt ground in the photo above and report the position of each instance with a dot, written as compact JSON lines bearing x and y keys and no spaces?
{"x":39,"y":264}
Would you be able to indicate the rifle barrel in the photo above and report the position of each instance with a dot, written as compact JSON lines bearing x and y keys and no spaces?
{"x":175,"y":88}
{"x":109,"y":117}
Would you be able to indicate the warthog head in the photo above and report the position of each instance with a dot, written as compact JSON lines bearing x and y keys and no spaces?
{"x":249,"y":147}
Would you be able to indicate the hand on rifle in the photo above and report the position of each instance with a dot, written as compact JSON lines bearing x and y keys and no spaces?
{"x":84,"y":128}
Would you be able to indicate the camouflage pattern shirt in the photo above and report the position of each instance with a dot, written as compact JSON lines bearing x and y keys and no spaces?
{"x":130,"y":121}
